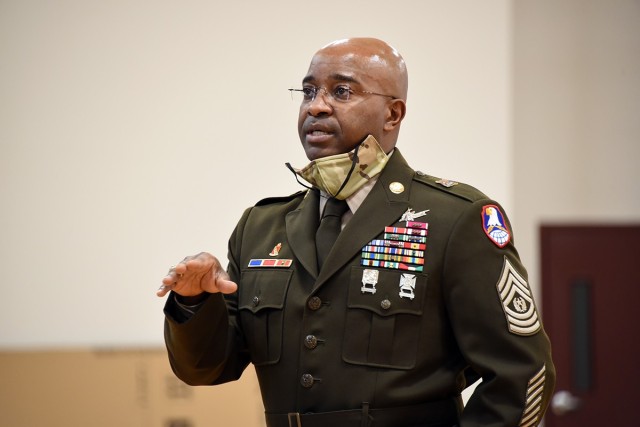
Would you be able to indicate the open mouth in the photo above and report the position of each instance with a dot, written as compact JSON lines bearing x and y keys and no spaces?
{"x":318,"y":136}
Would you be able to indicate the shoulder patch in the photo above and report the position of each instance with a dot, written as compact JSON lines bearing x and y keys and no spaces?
{"x":272,"y":200}
{"x":454,"y":188}
{"x":517,"y":302}
{"x":494,"y":225}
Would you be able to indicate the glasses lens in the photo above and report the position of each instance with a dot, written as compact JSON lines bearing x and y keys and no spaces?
{"x":341,"y":93}
{"x":309,"y":93}
{"x":305,"y":94}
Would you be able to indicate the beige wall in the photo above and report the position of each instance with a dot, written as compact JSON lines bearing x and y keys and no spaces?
{"x":576,"y":111}
{"x":133,"y":133}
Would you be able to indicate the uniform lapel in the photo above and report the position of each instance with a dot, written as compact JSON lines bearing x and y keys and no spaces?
{"x":301,"y":228}
{"x":382,"y":207}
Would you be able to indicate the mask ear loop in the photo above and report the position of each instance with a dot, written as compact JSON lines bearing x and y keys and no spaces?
{"x":354,"y":161}
{"x":288,"y":165}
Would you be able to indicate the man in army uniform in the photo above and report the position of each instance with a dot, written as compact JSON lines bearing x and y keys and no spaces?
{"x":422,"y":290}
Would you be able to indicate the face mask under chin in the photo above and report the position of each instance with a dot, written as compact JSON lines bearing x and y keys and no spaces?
{"x":341,"y":175}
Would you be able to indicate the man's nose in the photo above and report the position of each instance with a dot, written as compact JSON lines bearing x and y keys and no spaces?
{"x":319,"y":104}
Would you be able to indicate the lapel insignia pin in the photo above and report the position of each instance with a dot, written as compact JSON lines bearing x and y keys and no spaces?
{"x":410,"y":215}
{"x":276,"y":250}
{"x":369,"y":281}
{"x":396,"y":187}
{"x":407,"y":285}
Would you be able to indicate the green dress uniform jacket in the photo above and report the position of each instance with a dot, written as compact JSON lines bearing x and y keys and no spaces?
{"x":328,"y":353}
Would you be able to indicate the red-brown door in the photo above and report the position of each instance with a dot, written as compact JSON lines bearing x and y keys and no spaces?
{"x":591,"y":309}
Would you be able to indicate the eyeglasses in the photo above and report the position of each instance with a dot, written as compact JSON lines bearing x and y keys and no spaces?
{"x":341,"y":93}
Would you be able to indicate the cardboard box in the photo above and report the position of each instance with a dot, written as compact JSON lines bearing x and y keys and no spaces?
{"x":117,"y":387}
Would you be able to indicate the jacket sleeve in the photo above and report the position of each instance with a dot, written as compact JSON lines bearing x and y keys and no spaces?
{"x":496,"y":322}
{"x":208,"y":348}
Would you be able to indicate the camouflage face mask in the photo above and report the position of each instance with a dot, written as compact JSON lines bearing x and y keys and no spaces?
{"x":342,"y":175}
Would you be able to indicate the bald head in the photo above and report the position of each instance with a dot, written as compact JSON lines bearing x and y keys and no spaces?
{"x":377,"y":57}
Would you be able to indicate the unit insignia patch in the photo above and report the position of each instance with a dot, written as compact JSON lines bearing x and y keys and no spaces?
{"x":517,"y":302}
{"x":494,"y":225}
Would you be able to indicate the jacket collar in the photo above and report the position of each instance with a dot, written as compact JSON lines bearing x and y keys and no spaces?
{"x":382,"y":207}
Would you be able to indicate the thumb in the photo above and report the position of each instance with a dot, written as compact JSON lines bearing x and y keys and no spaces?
{"x":226,"y":286}
{"x":222,"y":282}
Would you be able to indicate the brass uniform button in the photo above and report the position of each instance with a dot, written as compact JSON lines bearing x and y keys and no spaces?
{"x":255,"y":301}
{"x":385,"y":304}
{"x":306,"y":380}
{"x":314,"y":303}
{"x":311,"y":342}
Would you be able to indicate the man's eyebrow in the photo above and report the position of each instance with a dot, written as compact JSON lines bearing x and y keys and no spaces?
{"x":344,"y":78}
{"x":335,"y":76}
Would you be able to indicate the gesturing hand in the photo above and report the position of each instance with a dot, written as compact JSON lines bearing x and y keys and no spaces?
{"x":195,"y":275}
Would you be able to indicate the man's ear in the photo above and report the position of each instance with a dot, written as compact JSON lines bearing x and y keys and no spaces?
{"x":395,"y":113}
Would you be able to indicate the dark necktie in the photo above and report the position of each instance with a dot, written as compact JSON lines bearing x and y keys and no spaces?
{"x":330,"y":225}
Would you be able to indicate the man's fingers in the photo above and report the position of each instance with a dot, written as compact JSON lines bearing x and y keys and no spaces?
{"x":168,"y":282}
{"x":195,"y":274}
{"x":163,"y":290}
{"x":180,"y":268}
{"x":191,"y":264}
{"x":226,"y":286}
{"x":201,"y":262}
{"x":177,"y":269}
{"x":223,"y":282}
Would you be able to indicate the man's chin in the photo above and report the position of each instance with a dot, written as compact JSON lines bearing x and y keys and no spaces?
{"x":314,"y":152}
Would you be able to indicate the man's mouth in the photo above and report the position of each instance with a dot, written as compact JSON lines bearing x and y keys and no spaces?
{"x":317,"y":133}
